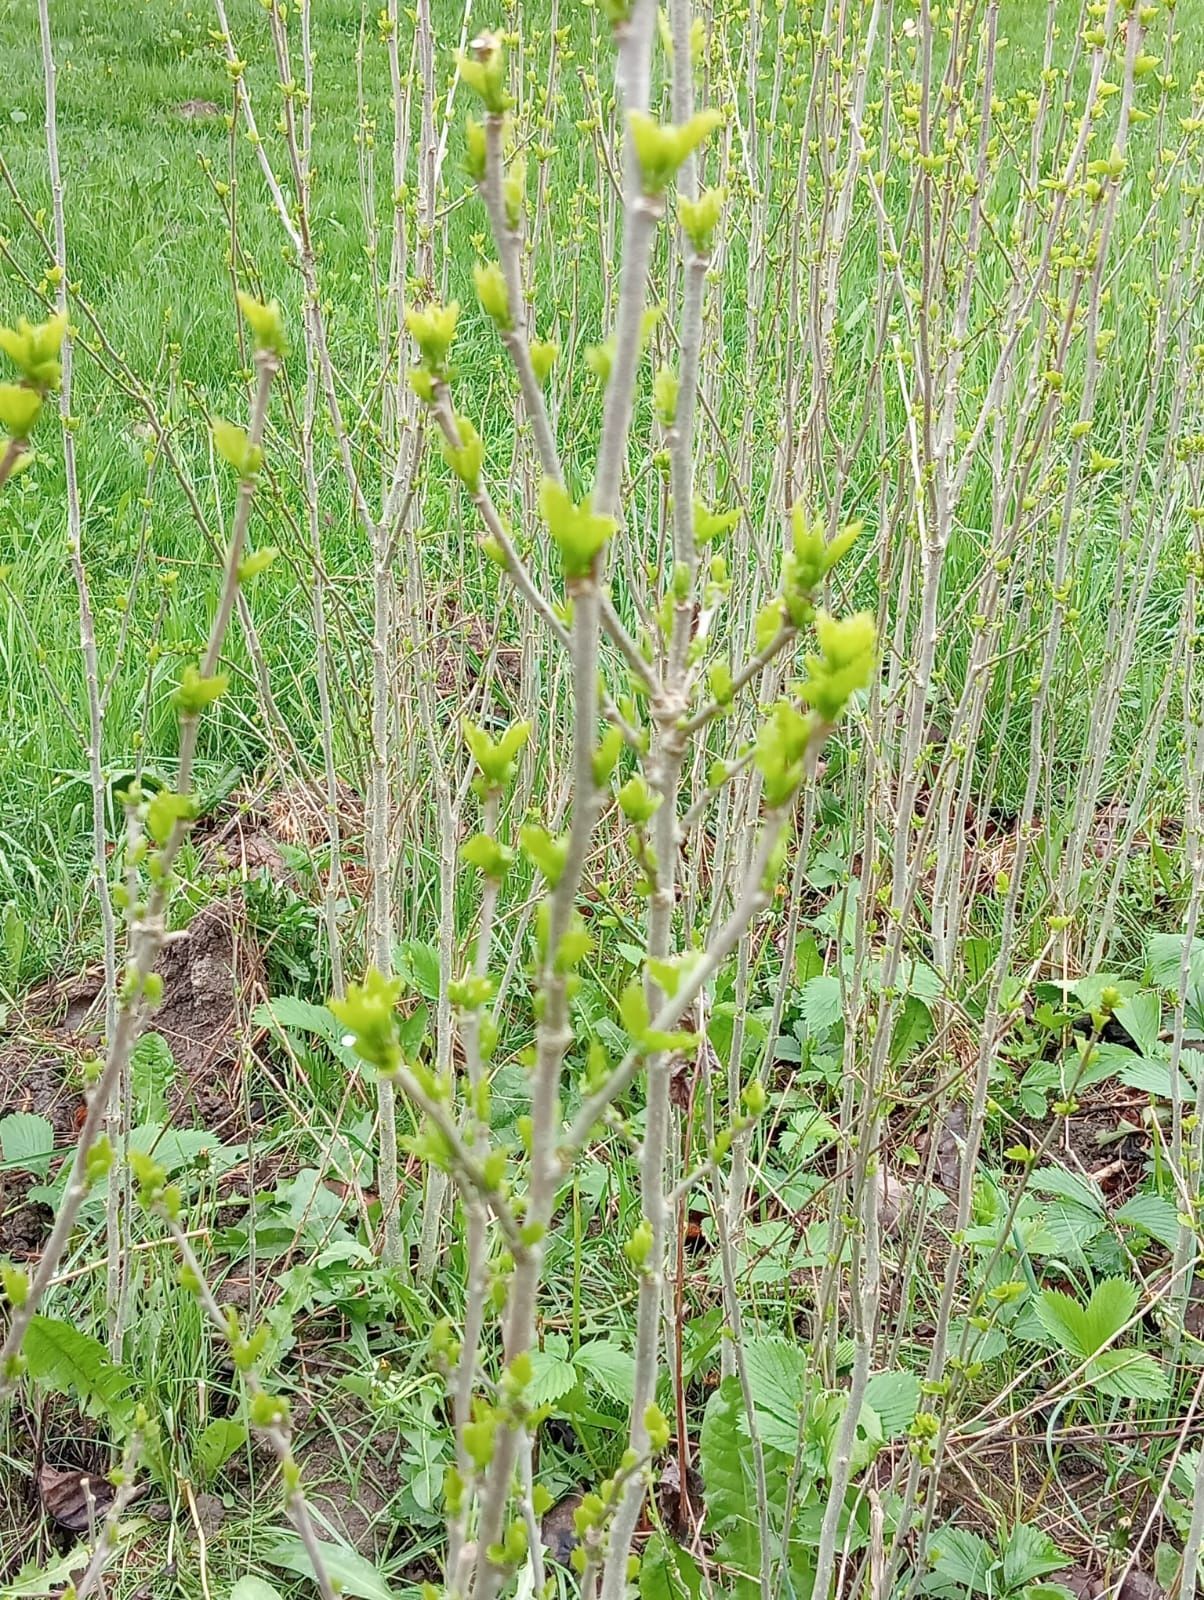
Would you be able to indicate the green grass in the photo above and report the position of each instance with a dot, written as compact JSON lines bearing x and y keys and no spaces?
{"x":148,"y":246}
{"x":149,"y":249}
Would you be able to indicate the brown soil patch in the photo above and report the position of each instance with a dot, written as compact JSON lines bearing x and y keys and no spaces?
{"x":257,"y":830}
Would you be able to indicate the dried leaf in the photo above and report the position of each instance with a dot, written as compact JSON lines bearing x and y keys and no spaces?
{"x":73,"y":1499}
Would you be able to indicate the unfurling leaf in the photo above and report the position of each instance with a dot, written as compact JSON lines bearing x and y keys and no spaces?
{"x":483,"y":69}
{"x":232,"y":444}
{"x":580,"y":533}
{"x":34,"y":349}
{"x":195,"y":692}
{"x":543,"y":358}
{"x":661,"y":148}
{"x":266,"y":323}
{"x":700,"y":218}
{"x":492,"y":292}
{"x":368,"y":1012}
{"x":19,"y":408}
{"x":845,"y":663}
{"x":466,"y":458}
{"x":432,"y":329}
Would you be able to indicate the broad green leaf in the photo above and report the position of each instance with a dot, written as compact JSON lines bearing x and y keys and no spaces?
{"x":1152,"y":1215}
{"x":552,"y":1378}
{"x":1066,"y":1186}
{"x":913,"y":1029}
{"x":607,"y":1367}
{"x":1153,"y":1076}
{"x":957,"y":1556}
{"x":1111,"y":1305}
{"x":418,"y":964}
{"x":819,"y":1003}
{"x":1127,"y":1375}
{"x":353,"y":1574}
{"x":895,"y":1397}
{"x":777,"y":1376}
{"x":26,"y":1142}
{"x":253,"y":1589}
{"x":63,"y":1359}
{"x":220,"y":1440}
{"x":1165,"y":956}
{"x":1065,"y":1321}
{"x":867,"y":1439}
{"x":667,"y":1572}
{"x":288,"y":1014}
{"x":1140,"y":1015}
{"x":725,"y":1459}
{"x":1029,"y":1553}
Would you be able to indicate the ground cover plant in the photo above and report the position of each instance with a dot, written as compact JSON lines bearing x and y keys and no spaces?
{"x":601,"y":785}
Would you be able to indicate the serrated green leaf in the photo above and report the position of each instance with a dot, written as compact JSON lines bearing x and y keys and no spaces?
{"x":725,"y":1460}
{"x":960,"y":1557}
{"x":1152,"y":1215}
{"x":607,"y":1367}
{"x":152,"y":1073}
{"x":820,"y":1004}
{"x":1029,"y":1553}
{"x":66,"y":1361}
{"x":1110,"y":1307}
{"x":1127,"y":1375}
{"x":552,"y":1378}
{"x":1065,"y":1321}
{"x":26,"y":1142}
{"x":287,"y":1013}
{"x":895,"y":1397}
{"x":418,"y":964}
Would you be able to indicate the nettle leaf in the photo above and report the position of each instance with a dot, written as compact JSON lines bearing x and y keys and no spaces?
{"x":820,"y":1004}
{"x":1127,"y":1375}
{"x":1152,"y":1215}
{"x":895,"y":1398}
{"x":66,"y":1361}
{"x":26,"y":1142}
{"x":962,"y":1558}
{"x":552,"y":1379}
{"x":725,"y":1459}
{"x":1029,"y":1553}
